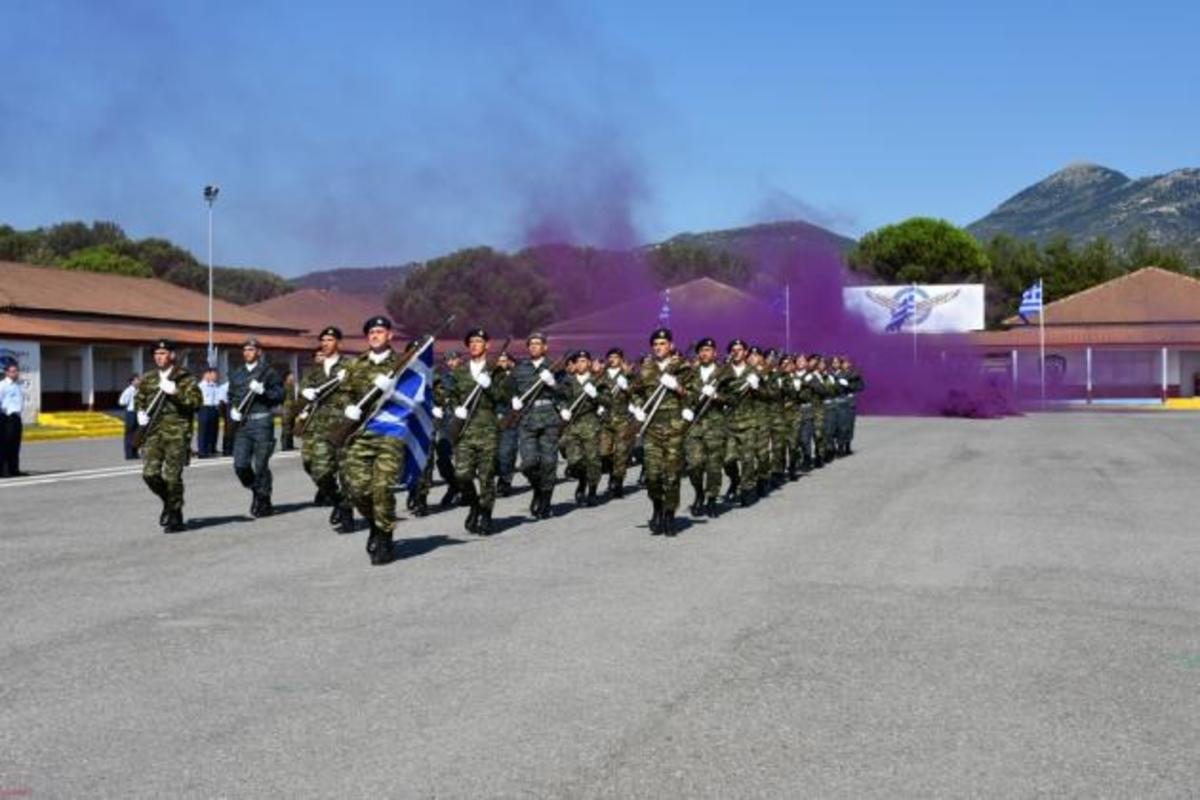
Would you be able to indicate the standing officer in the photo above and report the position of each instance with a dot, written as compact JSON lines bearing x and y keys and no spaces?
{"x":705,"y":441}
{"x":208,"y":415}
{"x":167,"y":398}
{"x":320,"y":458}
{"x":372,"y":462}
{"x":128,"y":403}
{"x":539,"y":427}
{"x":661,"y":389}
{"x":476,"y":390}
{"x":254,"y":391}
{"x":618,"y":430}
{"x":581,"y":401}
{"x":12,"y":404}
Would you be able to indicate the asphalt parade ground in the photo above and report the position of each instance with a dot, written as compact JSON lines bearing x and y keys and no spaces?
{"x":962,"y":608}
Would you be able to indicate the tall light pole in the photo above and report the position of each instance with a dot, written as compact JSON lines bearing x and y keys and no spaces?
{"x":210,"y":196}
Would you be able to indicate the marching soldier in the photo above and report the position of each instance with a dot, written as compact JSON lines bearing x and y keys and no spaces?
{"x":705,"y":442}
{"x":476,"y":390}
{"x":618,"y":429}
{"x":832,"y":410}
{"x":580,"y":437}
{"x":661,"y":389}
{"x":167,"y":399}
{"x":372,"y":462}
{"x":320,"y":457}
{"x":741,"y":435}
{"x":804,"y":381}
{"x":255,"y":389}
{"x":762,"y":400}
{"x":539,"y":426}
{"x":782,"y":414}
{"x":855,"y":384}
{"x":506,"y":450}
{"x":821,"y":410}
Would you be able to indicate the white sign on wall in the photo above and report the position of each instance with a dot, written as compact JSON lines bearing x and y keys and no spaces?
{"x":923,"y":308}
{"x":28,"y":356}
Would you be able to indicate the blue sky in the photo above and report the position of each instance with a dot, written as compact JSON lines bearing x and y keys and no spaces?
{"x":373,"y":133}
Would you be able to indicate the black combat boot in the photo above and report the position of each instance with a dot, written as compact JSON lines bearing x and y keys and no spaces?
{"x":450,"y":498}
{"x":379,"y":546}
{"x":734,"y":474}
{"x":420,"y":505}
{"x":794,"y":471}
{"x":265,"y":509}
{"x":164,"y":518}
{"x":174,"y":523}
{"x":616,"y":488}
{"x":484,"y":526}
{"x":255,"y":504}
{"x":762,"y":488}
{"x":746,"y":498}
{"x":668,"y":523}
{"x":322,"y":498}
{"x":346,"y":521}
{"x":504,"y":487}
{"x":710,"y":508}
{"x":697,"y":506}
{"x":592,"y":499}
{"x":547,"y":507}
{"x":471,"y":523}
{"x":581,"y":491}
{"x":656,"y":519}
{"x":535,"y":503}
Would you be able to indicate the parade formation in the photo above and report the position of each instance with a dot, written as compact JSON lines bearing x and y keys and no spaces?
{"x":750,"y":422}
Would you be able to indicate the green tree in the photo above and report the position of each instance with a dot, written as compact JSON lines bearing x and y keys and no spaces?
{"x":105,"y":258}
{"x":1141,"y":251}
{"x":1015,"y":265}
{"x":921,"y":250}
{"x":673,"y":263}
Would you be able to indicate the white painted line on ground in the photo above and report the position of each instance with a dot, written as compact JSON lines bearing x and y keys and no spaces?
{"x":115,"y":472}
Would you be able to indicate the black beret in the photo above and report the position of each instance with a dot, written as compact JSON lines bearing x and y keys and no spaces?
{"x":661,"y":333}
{"x":538,"y":335}
{"x":707,"y":341}
{"x":252,"y":342}
{"x":450,"y":355}
{"x":377,"y":322}
{"x":473,"y":333}
{"x":159,"y":344}
{"x":615,"y":351}
{"x":735,"y":343}
{"x":578,"y":354}
{"x":331,"y":330}
{"x":755,"y":350}
{"x":816,"y":356}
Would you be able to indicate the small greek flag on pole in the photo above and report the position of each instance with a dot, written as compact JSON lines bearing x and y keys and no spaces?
{"x":904,"y":310}
{"x":1031,"y":301}
{"x":664,"y":312}
{"x":408,"y":414}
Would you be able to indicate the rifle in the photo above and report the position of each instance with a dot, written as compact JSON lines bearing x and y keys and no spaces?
{"x":155,"y":410}
{"x":458,"y":425}
{"x":575,"y":405}
{"x":324,"y":391}
{"x":231,"y":424}
{"x":652,"y":403}
{"x":374,"y":400}
{"x":529,"y":395}
{"x":698,"y":412}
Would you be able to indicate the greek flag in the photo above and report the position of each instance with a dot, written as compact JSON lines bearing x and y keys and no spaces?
{"x":664,"y":312}
{"x":1031,"y":301}
{"x":904,"y":310}
{"x":408,"y":414}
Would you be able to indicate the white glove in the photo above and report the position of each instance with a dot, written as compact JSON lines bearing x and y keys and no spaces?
{"x":235,"y":415}
{"x":309,"y":393}
{"x":352,"y":412}
{"x":668,"y":380}
{"x":590,"y":390}
{"x":257,"y":388}
{"x":168,"y":386}
{"x":796,"y":384}
{"x":843,"y":382}
{"x":483,"y":379}
{"x":546,"y":377}
{"x":709,"y":390}
{"x":600,"y":411}
{"x":384,"y":383}
{"x":341,"y":375}
{"x":565,"y":414}
{"x":752,"y":379}
{"x":460,"y":412}
{"x":688,"y":414}
{"x":517,"y":404}
{"x":143,"y":418}
{"x":808,"y":376}
{"x":638,"y":414}
{"x":622,"y":384}
{"x":438,"y":413}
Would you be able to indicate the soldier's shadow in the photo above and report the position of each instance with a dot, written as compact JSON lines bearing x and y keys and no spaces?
{"x":502,"y":525}
{"x":411,"y":548}
{"x":200,"y":523}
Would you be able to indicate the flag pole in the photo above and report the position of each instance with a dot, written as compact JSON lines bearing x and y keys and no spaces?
{"x":912,"y":288}
{"x":787,"y":317}
{"x":1042,"y":336}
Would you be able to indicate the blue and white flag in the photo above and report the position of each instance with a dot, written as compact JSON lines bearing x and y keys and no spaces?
{"x":664,"y":312}
{"x":1031,"y":301}
{"x":904,"y":310}
{"x":408,"y":414}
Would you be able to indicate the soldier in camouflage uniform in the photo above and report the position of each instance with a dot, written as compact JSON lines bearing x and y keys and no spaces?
{"x":506,"y":450}
{"x":321,"y":459}
{"x":168,"y":432}
{"x":618,"y":427}
{"x":855,"y":384}
{"x":535,"y":396}
{"x":804,"y":381}
{"x":255,"y":390}
{"x":740,"y":425}
{"x":833,"y":410}
{"x":782,"y":419}
{"x":372,"y":462}
{"x":477,"y":388}
{"x":705,"y":441}
{"x":764,"y":402}
{"x":816,"y":365}
{"x":661,"y":393}
{"x":790,"y":429}
{"x":581,"y":403}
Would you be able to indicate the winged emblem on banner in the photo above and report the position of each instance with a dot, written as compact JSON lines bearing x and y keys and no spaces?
{"x":923,"y":305}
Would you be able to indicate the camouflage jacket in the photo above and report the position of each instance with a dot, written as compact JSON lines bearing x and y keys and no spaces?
{"x":673,"y":402}
{"x":177,"y":409}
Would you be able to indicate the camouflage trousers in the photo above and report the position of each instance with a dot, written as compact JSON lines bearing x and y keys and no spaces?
{"x":762,"y":446}
{"x":781,"y":438}
{"x":819,"y":430}
{"x":663,"y":443}
{"x":320,"y":459}
{"x":616,"y":445}
{"x":581,"y":441}
{"x":538,"y":443}
{"x":475,"y":460}
{"x":253,"y":444}
{"x":704,"y":451}
{"x":371,"y":465}
{"x":164,"y":455}
{"x":739,"y":446}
